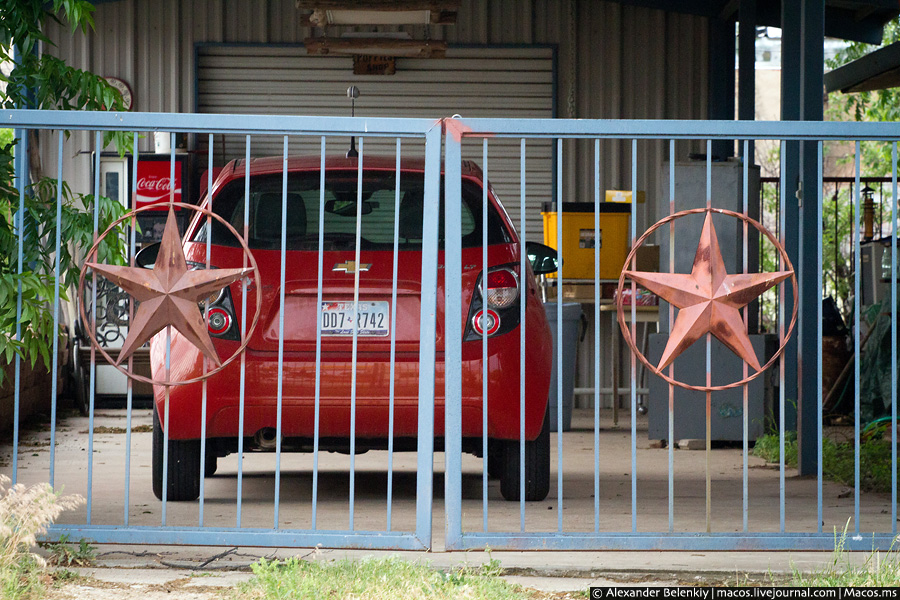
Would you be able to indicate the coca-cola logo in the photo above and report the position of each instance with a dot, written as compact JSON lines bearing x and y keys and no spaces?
{"x":154,"y":182}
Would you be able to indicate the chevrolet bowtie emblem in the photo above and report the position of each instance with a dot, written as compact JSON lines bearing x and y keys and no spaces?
{"x":350,"y":267}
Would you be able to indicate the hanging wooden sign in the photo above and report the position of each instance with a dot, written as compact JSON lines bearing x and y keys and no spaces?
{"x":374,"y":65}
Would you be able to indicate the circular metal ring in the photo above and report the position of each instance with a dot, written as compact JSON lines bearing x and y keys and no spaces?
{"x":168,"y":382}
{"x":628,"y":332}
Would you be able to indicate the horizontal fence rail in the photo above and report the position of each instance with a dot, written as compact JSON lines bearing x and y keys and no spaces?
{"x":476,"y":358}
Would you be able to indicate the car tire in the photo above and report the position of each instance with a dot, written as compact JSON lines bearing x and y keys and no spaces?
{"x":537,"y":467}
{"x":495,"y":458}
{"x":184,"y":466}
{"x":212,"y":462}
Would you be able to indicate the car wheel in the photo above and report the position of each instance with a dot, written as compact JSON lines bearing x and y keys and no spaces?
{"x":81,"y":395}
{"x":537,"y":467}
{"x":495,"y":458}
{"x":212,"y":462}
{"x":184,"y":466}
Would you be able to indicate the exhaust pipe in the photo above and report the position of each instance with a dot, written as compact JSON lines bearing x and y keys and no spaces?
{"x":266,"y":438}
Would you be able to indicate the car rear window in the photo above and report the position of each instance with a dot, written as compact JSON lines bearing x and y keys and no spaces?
{"x":341,"y":193}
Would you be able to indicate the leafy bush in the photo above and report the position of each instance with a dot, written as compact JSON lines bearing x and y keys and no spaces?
{"x":838,"y":462}
{"x":25,"y":513}
{"x":42,"y":81}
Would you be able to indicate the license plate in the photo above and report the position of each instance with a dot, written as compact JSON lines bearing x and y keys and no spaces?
{"x":337,"y":318}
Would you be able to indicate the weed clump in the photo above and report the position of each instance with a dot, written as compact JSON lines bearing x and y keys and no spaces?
{"x":25,"y":513}
{"x":880,"y":569}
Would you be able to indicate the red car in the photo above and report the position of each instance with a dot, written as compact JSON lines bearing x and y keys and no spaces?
{"x":507,"y":287}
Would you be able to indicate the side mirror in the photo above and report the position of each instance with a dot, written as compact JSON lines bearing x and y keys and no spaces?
{"x":146,"y":256}
{"x":542,"y":258}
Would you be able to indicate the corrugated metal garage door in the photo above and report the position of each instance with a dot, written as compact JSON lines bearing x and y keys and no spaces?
{"x":473,"y":82}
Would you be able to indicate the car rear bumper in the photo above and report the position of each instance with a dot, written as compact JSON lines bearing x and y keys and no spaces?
{"x":341,"y":388}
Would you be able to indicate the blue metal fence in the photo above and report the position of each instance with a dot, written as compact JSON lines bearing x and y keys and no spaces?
{"x":665,"y":511}
{"x":712,"y":531}
{"x":428,"y":135}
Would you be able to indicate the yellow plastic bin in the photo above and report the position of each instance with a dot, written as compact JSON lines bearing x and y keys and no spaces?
{"x":580,"y":240}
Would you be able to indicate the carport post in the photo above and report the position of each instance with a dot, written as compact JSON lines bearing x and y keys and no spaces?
{"x":812,"y":83}
{"x":747,"y":71}
{"x":790,"y":177}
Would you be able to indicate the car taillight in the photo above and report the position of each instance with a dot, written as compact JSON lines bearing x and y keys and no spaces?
{"x":502,"y":288}
{"x":488,"y":321}
{"x":494,"y":309}
{"x":218,"y":321}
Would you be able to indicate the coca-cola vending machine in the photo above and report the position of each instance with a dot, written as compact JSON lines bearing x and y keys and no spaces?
{"x":153,"y":188}
{"x":156,"y":187}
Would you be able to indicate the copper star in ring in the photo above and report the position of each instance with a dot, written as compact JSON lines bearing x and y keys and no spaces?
{"x":709,"y":299}
{"x":169,"y":294}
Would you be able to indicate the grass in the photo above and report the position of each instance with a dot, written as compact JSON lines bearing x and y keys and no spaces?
{"x":837,"y":459}
{"x":65,"y":553}
{"x":388,"y":578}
{"x":878,"y":570}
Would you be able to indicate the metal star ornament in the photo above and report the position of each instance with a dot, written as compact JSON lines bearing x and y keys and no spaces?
{"x":709,"y":299}
{"x":169,"y":294}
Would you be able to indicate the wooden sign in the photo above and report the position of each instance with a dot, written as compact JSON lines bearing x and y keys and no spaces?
{"x":374,"y":65}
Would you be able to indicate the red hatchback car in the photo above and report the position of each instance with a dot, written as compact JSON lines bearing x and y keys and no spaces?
{"x":506,"y":286}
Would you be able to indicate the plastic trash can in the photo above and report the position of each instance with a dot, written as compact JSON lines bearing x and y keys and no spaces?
{"x":571,"y":319}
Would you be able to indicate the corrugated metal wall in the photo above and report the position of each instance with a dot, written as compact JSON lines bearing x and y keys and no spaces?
{"x":615,"y":61}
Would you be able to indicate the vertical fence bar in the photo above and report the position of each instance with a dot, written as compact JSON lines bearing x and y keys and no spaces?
{"x":452,"y":328}
{"x":165,"y":478}
{"x":55,"y":368}
{"x":857,"y":306}
{"x":670,"y":386}
{"x":894,"y":338}
{"x":355,"y":349}
{"x":781,"y":361}
{"x":129,"y":401}
{"x":596,"y":337}
{"x":243,"y":379}
{"x":98,"y":146}
{"x":427,"y":331}
{"x":204,"y":388}
{"x":484,"y":336}
{"x":559,"y":338}
{"x":745,"y":474}
{"x":23,"y":175}
{"x":633,"y":386}
{"x":393,"y":359}
{"x":279,"y":394}
{"x":318,"y":398}
{"x":522,"y":258}
{"x":165,"y":473}
{"x":820,"y":286}
{"x":708,"y":362}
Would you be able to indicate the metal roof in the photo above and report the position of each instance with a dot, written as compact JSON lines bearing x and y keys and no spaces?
{"x":857,"y":20}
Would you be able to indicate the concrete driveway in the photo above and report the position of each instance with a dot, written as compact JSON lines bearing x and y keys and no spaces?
{"x":108,"y":497}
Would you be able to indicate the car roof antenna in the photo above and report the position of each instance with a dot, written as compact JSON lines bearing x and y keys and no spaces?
{"x":353,"y":94}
